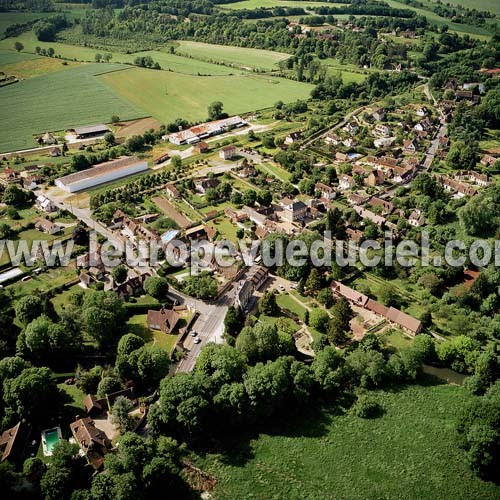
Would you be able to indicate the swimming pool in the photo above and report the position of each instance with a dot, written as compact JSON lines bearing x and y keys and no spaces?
{"x":169,"y":235}
{"x":50,"y":438}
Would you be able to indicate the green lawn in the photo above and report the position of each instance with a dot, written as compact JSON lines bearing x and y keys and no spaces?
{"x":239,"y":56}
{"x":167,"y":95}
{"x":257,"y":4}
{"x":275,"y":170}
{"x":408,"y":453}
{"x":75,"y":395}
{"x":57,"y":101}
{"x":55,"y":276}
{"x":286,"y":302}
{"x":138,"y":324}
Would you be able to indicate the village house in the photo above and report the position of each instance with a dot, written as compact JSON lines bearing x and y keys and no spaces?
{"x":384,"y":142}
{"x":92,"y":441}
{"x":451,"y":84}
{"x":424,"y":125}
{"x":247,"y":287}
{"x":235,"y":216}
{"x":350,"y":142}
{"x":402,"y":175}
{"x":422,"y":111}
{"x":172,"y":191}
{"x":476,"y":177}
{"x":375,"y":178}
{"x":196,"y":233}
{"x":202,"y":185}
{"x":45,"y":204}
{"x":369,"y":215}
{"x":467,"y":95}
{"x":256,"y":217}
{"x":10,"y":176}
{"x":408,"y":323}
{"x":47,"y":226}
{"x":325,"y":192}
{"x":416,"y":218}
{"x":293,"y":137}
{"x":164,"y":320}
{"x":341,"y":156}
{"x":460,"y":189}
{"x":228,"y":152}
{"x":48,"y":139}
{"x":379,"y":115}
{"x":293,"y":210}
{"x":247,"y":171}
{"x":387,"y":206}
{"x":351,"y":128}
{"x":331,"y":138}
{"x":12,"y":443}
{"x":31,"y":183}
{"x":346,"y":182}
{"x":382,"y":130}
{"x":410,"y":145}
{"x":356,"y":199}
{"x":488,"y":160}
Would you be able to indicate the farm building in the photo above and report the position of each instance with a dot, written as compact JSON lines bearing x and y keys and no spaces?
{"x":199,"y":132}
{"x":104,"y":172}
{"x":89,"y":131}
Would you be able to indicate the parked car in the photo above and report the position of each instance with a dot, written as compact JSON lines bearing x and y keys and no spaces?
{"x":197,"y":340}
{"x":193,"y":334}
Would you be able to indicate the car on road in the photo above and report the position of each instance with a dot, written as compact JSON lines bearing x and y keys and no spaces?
{"x":197,"y":340}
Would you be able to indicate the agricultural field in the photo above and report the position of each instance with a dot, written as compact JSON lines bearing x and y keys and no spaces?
{"x":32,"y":65}
{"x":473,"y":31}
{"x":334,"y":455}
{"x":258,"y":4}
{"x":241,"y":57}
{"x":167,"y":95}
{"x":489,"y":5}
{"x":25,"y":112}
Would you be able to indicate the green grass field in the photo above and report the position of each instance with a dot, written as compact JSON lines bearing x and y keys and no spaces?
{"x":168,"y":96}
{"x":238,"y":56}
{"x":489,"y":5}
{"x":409,"y":453}
{"x":57,"y":101}
{"x":257,"y":4}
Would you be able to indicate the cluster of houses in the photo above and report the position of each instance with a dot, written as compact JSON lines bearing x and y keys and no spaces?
{"x":394,"y":316}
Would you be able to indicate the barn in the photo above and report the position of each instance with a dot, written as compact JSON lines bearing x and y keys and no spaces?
{"x":104,"y":172}
{"x":89,"y":131}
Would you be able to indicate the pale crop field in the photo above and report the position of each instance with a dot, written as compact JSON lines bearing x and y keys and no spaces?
{"x":239,"y":56}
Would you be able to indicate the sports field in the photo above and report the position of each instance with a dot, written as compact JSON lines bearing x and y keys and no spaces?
{"x":239,"y":56}
{"x":57,"y":101}
{"x":167,"y":96}
{"x":405,"y":454}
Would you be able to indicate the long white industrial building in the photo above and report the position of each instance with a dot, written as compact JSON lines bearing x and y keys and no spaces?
{"x":101,"y":173}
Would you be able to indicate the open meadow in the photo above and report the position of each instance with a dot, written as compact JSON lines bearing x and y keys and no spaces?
{"x":406,"y":453}
{"x":258,"y":4}
{"x":57,"y":101}
{"x":167,"y":95}
{"x":239,"y":56}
